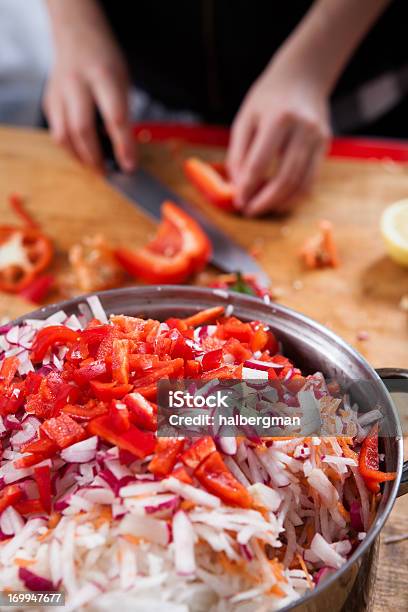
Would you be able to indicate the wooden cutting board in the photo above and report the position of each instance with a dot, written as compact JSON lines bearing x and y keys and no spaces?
{"x":363,"y":295}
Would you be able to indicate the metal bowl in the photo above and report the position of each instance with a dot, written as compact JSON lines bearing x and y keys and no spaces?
{"x":312,"y":347}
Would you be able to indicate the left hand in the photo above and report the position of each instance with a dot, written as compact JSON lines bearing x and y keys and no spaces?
{"x":284,"y":117}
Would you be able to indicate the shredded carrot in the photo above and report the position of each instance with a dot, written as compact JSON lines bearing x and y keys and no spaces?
{"x":23,"y":562}
{"x":44,"y":536}
{"x":204,"y":316}
{"x":277,"y":591}
{"x":304,"y":568}
{"x":232,"y":567}
{"x":277,"y":569}
{"x":54,"y":520}
{"x":105,"y":515}
{"x":132,"y":539}
{"x":261,"y":509}
{"x":343,"y":512}
{"x":347,"y":451}
{"x":187,"y":505}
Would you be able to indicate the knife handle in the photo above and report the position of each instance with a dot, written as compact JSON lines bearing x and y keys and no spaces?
{"x":106,"y":145}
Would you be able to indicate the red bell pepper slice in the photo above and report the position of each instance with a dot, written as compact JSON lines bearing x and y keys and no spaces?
{"x":42,"y":475}
{"x":120,"y":361}
{"x":165,"y":456}
{"x":9,"y":496}
{"x":17,"y":204}
{"x":8,"y":371}
{"x":198,"y":451}
{"x":182,"y":475}
{"x":29,"y":253}
{"x":212,"y":181}
{"x":63,"y":430}
{"x":109,"y":391}
{"x":192,"y":369}
{"x":91,"y":410}
{"x":139,"y":443}
{"x":119,"y":415}
{"x":234,"y":328}
{"x":211,"y":360}
{"x":83,"y":375}
{"x":180,"y":249}
{"x":29,"y":506}
{"x":142,"y":412}
{"x":51,"y":336}
{"x":38,"y":289}
{"x":170,"y":369}
{"x":41,"y":449}
{"x":214,"y":475}
{"x":369,"y":461}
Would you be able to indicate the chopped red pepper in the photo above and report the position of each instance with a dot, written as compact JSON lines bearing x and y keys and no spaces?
{"x":42,"y":475}
{"x":29,"y":506}
{"x":63,"y":430}
{"x":369,"y":461}
{"x":211,"y":360}
{"x":182,"y":475}
{"x":212,"y":181}
{"x":204,"y":316}
{"x":120,"y":361}
{"x":83,"y":375}
{"x":139,"y":443}
{"x":165,"y":455}
{"x":109,"y":391}
{"x":9,"y":496}
{"x":119,"y":415}
{"x":198,"y":451}
{"x":214,"y":475}
{"x":91,"y":410}
{"x":179,"y":249}
{"x":49,"y":337}
{"x":142,"y":412}
{"x":8,"y":371}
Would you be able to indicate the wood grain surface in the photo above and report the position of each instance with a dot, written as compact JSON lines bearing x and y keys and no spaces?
{"x":70,"y":201}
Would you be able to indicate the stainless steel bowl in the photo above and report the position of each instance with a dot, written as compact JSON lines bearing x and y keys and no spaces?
{"x":313,"y":348}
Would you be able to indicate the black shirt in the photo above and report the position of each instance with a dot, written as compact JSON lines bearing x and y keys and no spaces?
{"x":203,"y":55}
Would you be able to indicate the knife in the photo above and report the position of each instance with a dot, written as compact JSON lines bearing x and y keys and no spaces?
{"x":145,"y":191}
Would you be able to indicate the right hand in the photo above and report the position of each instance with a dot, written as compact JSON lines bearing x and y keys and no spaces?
{"x":89,"y":73}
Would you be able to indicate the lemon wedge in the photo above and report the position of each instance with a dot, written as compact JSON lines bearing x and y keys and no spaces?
{"x":394,"y":229}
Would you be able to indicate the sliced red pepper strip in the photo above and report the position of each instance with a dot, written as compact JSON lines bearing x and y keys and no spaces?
{"x":169,"y":261}
{"x":63,"y":430}
{"x":42,"y":475}
{"x":165,"y":455}
{"x":172,"y":367}
{"x":204,"y":316}
{"x":109,"y":391}
{"x":24,"y":253}
{"x":198,"y":451}
{"x":51,"y":336}
{"x":214,"y":475}
{"x":139,"y":443}
{"x":142,"y":412}
{"x":211,"y":180}
{"x":9,"y":496}
{"x":17,"y":204}
{"x":211,"y":360}
{"x":369,"y":459}
{"x":83,"y":375}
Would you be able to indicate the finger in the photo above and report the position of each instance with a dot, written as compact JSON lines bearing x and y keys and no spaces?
{"x":265,"y":146}
{"x":112,"y":99}
{"x":57,"y":121}
{"x":81,"y":120}
{"x":242,"y":133}
{"x":291,"y":171}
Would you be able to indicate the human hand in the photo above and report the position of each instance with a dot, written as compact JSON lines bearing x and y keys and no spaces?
{"x":89,"y":73}
{"x":284,"y":117}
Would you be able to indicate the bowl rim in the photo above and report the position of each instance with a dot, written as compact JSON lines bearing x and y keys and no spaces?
{"x":226,"y":297}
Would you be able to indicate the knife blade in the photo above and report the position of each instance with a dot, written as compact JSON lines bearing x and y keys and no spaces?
{"x":144,"y":190}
